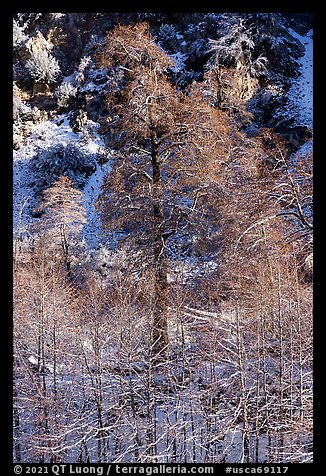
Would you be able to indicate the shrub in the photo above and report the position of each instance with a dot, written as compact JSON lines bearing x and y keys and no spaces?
{"x":63,"y":159}
{"x":168,"y":36}
{"x":64,"y":93}
{"x":166,"y":32}
{"x":18,"y":34}
{"x":84,"y":65}
{"x":21,"y":112}
{"x":43,"y":67}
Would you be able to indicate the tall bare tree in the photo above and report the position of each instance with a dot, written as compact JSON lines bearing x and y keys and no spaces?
{"x":172,"y":147}
{"x":62,"y":217}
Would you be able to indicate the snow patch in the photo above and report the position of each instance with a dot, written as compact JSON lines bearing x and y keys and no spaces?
{"x":300,"y":95}
{"x":91,"y":192}
{"x":305,"y":149}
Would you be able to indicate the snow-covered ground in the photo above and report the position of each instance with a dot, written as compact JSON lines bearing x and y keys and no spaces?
{"x":300,"y":95}
{"x":305,"y":150}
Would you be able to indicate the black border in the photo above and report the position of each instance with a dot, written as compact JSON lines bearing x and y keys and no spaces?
{"x":6,"y":180}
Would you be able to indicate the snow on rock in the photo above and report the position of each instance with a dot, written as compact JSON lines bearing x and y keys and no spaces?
{"x":300,"y":95}
{"x":34,"y":363}
{"x":305,"y":150}
{"x":33,"y":360}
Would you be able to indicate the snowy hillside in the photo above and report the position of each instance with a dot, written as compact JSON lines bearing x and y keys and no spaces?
{"x":43,"y":136}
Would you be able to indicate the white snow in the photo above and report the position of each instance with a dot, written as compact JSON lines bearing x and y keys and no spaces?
{"x":91,"y":191}
{"x":190,"y":268}
{"x":179,"y":59}
{"x":33,"y":360}
{"x":305,"y":150}
{"x":300,"y":95}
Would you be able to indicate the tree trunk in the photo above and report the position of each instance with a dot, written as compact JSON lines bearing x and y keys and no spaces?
{"x":160,"y":334}
{"x":65,"y":249}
